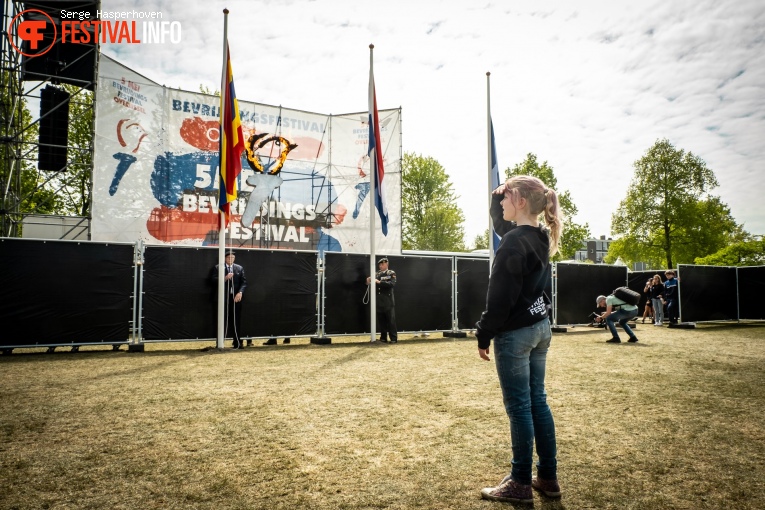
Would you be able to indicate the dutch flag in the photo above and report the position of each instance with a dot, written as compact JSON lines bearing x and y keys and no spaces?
{"x":375,"y":154}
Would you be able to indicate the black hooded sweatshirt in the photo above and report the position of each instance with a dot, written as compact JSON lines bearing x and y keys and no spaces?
{"x":519,"y":274}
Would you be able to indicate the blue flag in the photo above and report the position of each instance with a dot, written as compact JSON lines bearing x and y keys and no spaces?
{"x":494,"y":239}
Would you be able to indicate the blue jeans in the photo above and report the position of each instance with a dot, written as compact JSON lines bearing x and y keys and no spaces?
{"x":672,"y":310}
{"x":621,"y":316}
{"x":658,"y":310}
{"x":520,"y":356}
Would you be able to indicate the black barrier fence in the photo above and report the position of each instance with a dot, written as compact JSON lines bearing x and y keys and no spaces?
{"x":344,"y":294}
{"x":472,"y":284}
{"x":74,"y":293}
{"x":751,"y":293}
{"x":577,"y":286}
{"x":423,"y":293}
{"x":637,"y":281}
{"x":707,"y":293}
{"x":280,"y":299}
{"x":65,"y":292}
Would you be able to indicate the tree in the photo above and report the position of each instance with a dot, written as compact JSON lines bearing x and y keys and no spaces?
{"x":73,"y":185}
{"x":22,"y":186}
{"x":481,"y":241}
{"x":573,"y":233}
{"x":668,"y":216}
{"x":204,"y":89}
{"x":744,"y":253}
{"x":430,"y":218}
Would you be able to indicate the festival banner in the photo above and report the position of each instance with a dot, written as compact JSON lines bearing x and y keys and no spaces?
{"x":156,"y":175}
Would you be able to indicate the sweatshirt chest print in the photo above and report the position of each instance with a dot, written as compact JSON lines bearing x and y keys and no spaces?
{"x":538,"y":307}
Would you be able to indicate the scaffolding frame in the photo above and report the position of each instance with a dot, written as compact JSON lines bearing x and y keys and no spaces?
{"x":20,"y":89}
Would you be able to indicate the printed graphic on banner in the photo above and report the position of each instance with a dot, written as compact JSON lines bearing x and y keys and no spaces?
{"x":156,"y":178}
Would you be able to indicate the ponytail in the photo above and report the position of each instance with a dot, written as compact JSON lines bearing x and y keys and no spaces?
{"x":553,"y":219}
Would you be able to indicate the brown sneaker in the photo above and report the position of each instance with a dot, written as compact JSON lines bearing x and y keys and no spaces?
{"x":509,"y":491}
{"x":549,"y":488}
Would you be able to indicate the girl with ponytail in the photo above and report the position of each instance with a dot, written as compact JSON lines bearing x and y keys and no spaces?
{"x":516,"y":318}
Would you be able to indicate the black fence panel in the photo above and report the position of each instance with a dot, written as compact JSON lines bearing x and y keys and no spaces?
{"x":636,"y":281}
{"x":344,"y":289}
{"x":472,"y":285}
{"x":751,"y":293}
{"x":707,"y":293}
{"x":179,"y":300}
{"x":282,"y":290}
{"x":423,"y":293}
{"x":578,"y":286}
{"x":178,"y":296}
{"x":64,"y":292}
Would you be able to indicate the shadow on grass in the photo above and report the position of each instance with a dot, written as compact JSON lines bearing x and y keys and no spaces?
{"x":730,"y":325}
{"x":552,"y":504}
{"x":98,"y":351}
{"x":103,"y":350}
{"x":27,"y":356}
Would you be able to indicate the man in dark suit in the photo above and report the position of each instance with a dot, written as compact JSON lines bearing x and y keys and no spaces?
{"x":234,"y":285}
{"x":385,"y":281}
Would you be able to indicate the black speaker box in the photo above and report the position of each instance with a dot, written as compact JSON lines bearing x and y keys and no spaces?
{"x":54,"y":129}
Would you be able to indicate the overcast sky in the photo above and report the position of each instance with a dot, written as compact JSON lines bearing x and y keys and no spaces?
{"x":587,"y":86}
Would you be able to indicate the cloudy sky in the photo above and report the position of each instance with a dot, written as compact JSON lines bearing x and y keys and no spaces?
{"x":587,"y":86}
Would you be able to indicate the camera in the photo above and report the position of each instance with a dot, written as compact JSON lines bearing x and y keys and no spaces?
{"x":594,"y":323}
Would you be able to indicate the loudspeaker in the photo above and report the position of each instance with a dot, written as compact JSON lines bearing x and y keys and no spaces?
{"x":54,"y":129}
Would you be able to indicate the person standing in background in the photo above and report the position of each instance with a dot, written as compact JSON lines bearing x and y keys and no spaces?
{"x":671,"y":295}
{"x":235,"y":283}
{"x":648,"y":310}
{"x":657,"y":298}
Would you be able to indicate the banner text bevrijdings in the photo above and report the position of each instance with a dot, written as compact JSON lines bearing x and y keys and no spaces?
{"x":204,"y":203}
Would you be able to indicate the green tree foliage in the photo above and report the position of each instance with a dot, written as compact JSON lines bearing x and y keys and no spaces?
{"x":22,"y":187}
{"x":204,"y":89}
{"x":28,"y":190}
{"x":742,"y":253}
{"x":74,"y":185}
{"x":481,"y":241}
{"x":431,"y":219}
{"x":668,"y":216}
{"x":573,"y":233}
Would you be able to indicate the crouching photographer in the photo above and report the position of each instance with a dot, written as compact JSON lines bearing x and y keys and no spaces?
{"x":617,"y":311}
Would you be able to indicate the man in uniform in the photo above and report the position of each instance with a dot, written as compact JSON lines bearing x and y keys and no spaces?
{"x":385,"y":280}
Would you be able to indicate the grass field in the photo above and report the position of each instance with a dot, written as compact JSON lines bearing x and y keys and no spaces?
{"x":675,"y":421}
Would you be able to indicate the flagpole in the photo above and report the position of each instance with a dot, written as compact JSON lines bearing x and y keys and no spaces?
{"x":373,"y":168}
{"x":490,"y":165}
{"x":222,"y":216}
